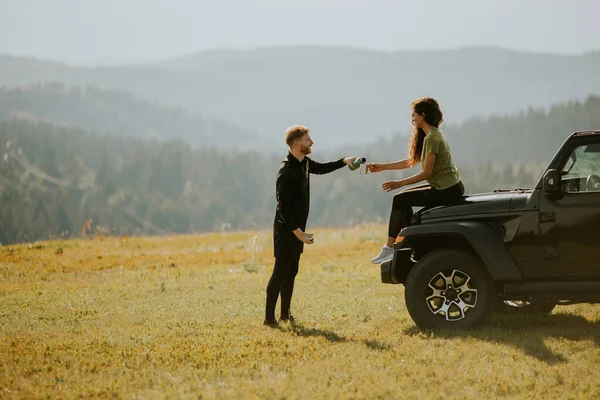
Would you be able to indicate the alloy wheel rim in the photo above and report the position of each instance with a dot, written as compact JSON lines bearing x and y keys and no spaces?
{"x":452,"y":295}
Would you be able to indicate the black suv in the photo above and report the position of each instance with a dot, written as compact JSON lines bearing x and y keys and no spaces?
{"x":524,"y":250}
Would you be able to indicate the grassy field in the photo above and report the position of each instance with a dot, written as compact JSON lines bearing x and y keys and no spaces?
{"x":181,"y":317}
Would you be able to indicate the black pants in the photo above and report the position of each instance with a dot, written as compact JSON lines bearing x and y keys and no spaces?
{"x":402,"y":214}
{"x":282,"y":281}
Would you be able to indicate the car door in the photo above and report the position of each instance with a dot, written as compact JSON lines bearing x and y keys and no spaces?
{"x":570,"y":223}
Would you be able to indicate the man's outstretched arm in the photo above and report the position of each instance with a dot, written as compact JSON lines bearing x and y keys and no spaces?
{"x":318,"y":168}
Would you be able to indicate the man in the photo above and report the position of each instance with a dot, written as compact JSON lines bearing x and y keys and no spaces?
{"x":289,"y":236}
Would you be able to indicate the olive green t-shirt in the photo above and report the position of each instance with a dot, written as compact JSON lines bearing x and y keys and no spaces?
{"x":444,"y":173}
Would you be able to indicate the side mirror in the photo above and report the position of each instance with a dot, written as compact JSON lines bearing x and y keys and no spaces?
{"x":552,"y":182}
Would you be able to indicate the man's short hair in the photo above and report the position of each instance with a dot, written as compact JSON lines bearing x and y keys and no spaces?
{"x":294,"y":133}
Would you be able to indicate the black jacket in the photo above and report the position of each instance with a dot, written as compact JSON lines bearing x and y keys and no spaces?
{"x":293,"y":198}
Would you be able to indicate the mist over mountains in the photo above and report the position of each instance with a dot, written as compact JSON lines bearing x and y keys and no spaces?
{"x":530,"y":135}
{"x":106,"y":111}
{"x":345,"y":95}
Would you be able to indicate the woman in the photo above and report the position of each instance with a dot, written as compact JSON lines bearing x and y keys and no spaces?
{"x":428,"y":147}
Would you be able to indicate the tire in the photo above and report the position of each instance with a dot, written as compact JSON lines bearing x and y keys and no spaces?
{"x":519,"y":307}
{"x":449,"y":289}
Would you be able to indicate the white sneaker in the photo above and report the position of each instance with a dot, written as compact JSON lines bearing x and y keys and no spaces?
{"x":385,"y":255}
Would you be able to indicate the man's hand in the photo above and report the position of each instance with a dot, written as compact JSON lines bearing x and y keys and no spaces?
{"x":392,"y":185}
{"x":375,"y":167}
{"x":349,"y":160}
{"x":306,"y":238}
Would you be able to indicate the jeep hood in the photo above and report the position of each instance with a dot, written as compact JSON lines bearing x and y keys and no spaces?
{"x":485,"y":203}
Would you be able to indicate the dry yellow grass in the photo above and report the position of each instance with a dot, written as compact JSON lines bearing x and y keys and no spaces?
{"x":181,"y":317}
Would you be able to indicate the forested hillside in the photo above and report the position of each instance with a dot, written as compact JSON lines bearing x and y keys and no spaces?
{"x":54,"y":179}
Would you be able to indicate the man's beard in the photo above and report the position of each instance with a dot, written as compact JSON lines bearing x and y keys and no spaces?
{"x":305,"y":150}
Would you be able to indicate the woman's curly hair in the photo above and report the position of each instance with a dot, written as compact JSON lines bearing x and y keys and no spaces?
{"x":430,"y":110}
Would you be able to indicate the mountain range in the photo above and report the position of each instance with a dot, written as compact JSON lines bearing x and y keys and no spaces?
{"x":347,"y":96}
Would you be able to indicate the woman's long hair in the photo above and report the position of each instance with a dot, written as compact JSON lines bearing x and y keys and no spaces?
{"x":430,"y":109}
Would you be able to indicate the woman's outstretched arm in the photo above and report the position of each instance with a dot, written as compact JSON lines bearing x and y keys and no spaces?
{"x":401,"y":164}
{"x":421,"y":176}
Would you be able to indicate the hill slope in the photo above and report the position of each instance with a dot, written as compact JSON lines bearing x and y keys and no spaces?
{"x":119,"y":113}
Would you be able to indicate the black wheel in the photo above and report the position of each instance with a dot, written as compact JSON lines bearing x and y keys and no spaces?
{"x":534,"y":306}
{"x":449,"y":289}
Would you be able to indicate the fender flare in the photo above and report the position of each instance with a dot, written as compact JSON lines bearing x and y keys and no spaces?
{"x":482,"y":237}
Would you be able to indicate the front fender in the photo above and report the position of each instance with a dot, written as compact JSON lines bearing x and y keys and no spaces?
{"x":483,"y":238}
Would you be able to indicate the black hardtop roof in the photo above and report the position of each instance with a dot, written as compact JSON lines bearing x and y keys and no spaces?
{"x":585,"y":133}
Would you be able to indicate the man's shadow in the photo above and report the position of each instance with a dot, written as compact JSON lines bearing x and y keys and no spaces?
{"x":301,"y":330}
{"x":526,"y":333}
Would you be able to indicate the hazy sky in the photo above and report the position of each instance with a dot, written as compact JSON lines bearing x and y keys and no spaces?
{"x":115,"y":31}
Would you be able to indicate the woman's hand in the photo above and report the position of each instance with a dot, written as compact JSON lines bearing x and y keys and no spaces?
{"x":391,"y":185}
{"x":375,"y":167}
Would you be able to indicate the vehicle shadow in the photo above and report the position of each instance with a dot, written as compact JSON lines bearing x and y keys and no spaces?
{"x":526,"y":333}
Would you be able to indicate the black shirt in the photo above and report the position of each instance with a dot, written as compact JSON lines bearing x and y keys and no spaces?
{"x":293,"y":199}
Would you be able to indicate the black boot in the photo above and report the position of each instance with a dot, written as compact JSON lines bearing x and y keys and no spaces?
{"x":272,"y":323}
{"x":287,"y":318}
